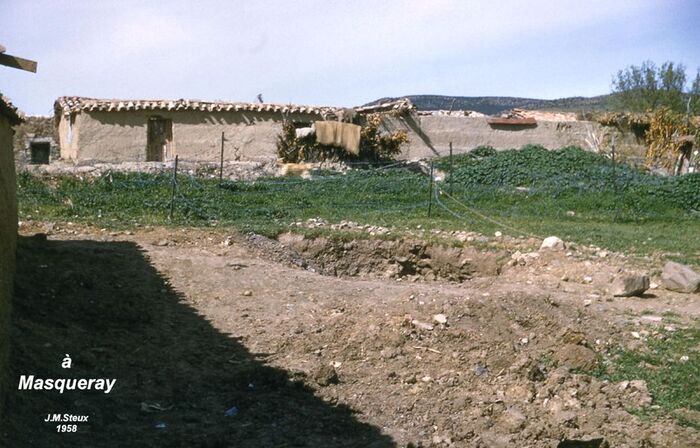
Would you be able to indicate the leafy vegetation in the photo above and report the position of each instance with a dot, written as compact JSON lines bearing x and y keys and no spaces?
{"x":663,"y":93}
{"x":576,"y":195}
{"x":646,"y":88}
{"x":573,"y":171}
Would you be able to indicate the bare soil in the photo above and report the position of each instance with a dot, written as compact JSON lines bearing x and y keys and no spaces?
{"x":325,"y":343}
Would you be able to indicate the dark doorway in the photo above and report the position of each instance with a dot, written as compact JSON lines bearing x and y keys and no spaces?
{"x":160,"y":135}
{"x":40,"y":152}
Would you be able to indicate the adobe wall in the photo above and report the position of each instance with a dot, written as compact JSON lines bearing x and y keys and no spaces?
{"x":8,"y":238}
{"x":68,"y":140}
{"x":430,"y":135}
{"x":122,"y":136}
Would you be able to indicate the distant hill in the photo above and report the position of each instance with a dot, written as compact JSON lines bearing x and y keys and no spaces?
{"x":493,"y":105}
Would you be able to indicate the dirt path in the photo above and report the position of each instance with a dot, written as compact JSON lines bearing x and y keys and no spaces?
{"x":194,"y":323}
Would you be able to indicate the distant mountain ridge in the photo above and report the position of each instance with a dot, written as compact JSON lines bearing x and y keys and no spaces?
{"x":493,"y":105}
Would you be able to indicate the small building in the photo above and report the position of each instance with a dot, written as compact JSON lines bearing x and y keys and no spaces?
{"x":156,"y":130}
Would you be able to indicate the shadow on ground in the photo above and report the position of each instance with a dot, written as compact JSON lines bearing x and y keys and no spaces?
{"x":105,"y":305}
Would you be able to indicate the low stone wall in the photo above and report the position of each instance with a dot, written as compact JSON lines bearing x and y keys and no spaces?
{"x":8,"y":237}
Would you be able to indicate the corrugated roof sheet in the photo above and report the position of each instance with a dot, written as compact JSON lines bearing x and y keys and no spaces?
{"x":69,"y":104}
{"x":8,"y":110}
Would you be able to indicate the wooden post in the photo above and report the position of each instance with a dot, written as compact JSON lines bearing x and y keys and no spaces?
{"x":172,"y":198}
{"x":614,"y":179}
{"x":451,"y":189}
{"x":17,"y":62}
{"x":221,"y":161}
{"x":430,"y":190}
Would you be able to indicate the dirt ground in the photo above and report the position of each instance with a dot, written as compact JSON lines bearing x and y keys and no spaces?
{"x":322,"y":343}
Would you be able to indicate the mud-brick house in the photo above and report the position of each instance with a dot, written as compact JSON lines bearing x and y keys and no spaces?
{"x":156,"y":130}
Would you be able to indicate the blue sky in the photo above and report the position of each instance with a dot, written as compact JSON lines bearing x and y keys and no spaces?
{"x":329,"y":52}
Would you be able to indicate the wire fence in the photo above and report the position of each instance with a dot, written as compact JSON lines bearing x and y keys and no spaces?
{"x":387,"y":189}
{"x":383,"y":193}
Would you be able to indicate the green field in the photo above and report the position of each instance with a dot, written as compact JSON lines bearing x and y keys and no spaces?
{"x":570,"y":193}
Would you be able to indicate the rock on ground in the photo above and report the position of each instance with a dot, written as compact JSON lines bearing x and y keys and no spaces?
{"x":552,"y":243}
{"x":629,"y":285}
{"x":679,"y":277}
{"x":325,"y":375}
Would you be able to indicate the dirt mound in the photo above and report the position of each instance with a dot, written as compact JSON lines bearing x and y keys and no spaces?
{"x":410,"y":259}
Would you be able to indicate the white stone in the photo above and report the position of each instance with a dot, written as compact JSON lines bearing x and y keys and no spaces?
{"x":440,"y":318}
{"x":552,"y":243}
{"x":680,"y":278}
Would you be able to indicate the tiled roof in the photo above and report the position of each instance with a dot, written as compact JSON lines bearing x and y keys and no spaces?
{"x":8,"y":110}
{"x":69,"y":104}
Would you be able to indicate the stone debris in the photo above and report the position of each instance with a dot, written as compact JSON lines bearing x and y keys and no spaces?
{"x":440,"y":318}
{"x":513,"y":420}
{"x":325,"y":375}
{"x":552,"y":243}
{"x":232,"y":170}
{"x":679,"y":277}
{"x":629,"y":285}
{"x":577,"y":357}
{"x":422,"y":325}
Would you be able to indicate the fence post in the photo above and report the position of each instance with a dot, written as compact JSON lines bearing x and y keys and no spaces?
{"x":616,"y":191}
{"x":451,"y":189}
{"x":221,"y":161}
{"x":172,"y":198}
{"x":430,"y":190}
